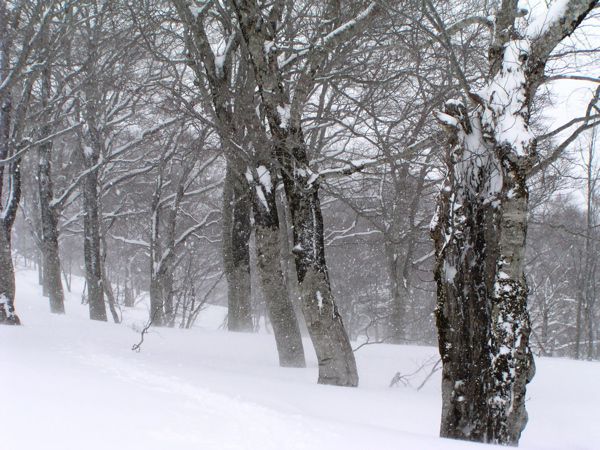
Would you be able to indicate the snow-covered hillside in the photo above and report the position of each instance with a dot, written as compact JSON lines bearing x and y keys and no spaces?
{"x":70,"y":384}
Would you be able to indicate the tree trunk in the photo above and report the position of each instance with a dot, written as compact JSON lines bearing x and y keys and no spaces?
{"x":161,"y":299}
{"x":91,"y":248}
{"x":129,"y":299}
{"x":480,"y":228}
{"x":337,"y":365}
{"x":49,"y":228}
{"x":7,"y":279}
{"x":287,"y":257}
{"x":268,"y":248}
{"x":156,"y":302}
{"x":483,"y":325}
{"x":236,"y":249}
{"x":109,"y":292}
{"x":40,"y":267}
{"x":7,"y":211}
{"x":397,"y":319}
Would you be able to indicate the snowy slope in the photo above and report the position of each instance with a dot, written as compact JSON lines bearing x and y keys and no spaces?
{"x":71,"y":384}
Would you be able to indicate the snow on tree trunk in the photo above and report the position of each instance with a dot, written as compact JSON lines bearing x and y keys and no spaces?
{"x":337,"y":365}
{"x":7,"y":279}
{"x":10,"y":184}
{"x":268,"y":249}
{"x":480,"y":229}
{"x":483,"y":325}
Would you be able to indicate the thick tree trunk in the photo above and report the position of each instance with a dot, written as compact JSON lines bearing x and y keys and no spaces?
{"x":236,"y":249}
{"x":91,"y":248}
{"x":480,"y":229}
{"x":337,"y":365}
{"x":483,"y":324}
{"x":49,"y":237}
{"x":7,"y":210}
{"x":268,"y":249}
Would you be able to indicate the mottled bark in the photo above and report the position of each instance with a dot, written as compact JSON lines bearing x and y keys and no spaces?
{"x":10,"y":183}
{"x":483,"y":324}
{"x":480,"y":231}
{"x":7,"y":207}
{"x":7,"y":279}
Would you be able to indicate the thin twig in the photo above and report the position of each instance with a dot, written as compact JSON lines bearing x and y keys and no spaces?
{"x":137,"y":347}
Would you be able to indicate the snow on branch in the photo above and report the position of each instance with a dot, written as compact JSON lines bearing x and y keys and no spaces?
{"x":560,"y":20}
{"x":540,"y":24}
{"x":359,"y":165}
{"x":335,"y":37}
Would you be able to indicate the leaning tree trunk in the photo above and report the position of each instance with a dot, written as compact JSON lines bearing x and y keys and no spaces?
{"x":91,"y":247}
{"x":337,"y":365}
{"x":49,"y":235}
{"x":268,"y":249}
{"x":236,"y":249}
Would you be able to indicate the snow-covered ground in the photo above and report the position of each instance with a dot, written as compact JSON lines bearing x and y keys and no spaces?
{"x":69,"y":383}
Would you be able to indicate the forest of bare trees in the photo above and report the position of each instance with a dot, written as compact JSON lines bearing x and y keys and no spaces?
{"x":358,"y":171}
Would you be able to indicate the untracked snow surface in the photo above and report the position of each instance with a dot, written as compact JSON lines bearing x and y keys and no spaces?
{"x":69,"y":384}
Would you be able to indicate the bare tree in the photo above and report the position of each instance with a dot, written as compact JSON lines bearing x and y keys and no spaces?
{"x":250,"y":181}
{"x":21,"y":29}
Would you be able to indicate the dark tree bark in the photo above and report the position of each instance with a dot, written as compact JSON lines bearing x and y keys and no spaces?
{"x":91,"y":246}
{"x":337,"y":365}
{"x":10,"y":183}
{"x":480,"y":229}
{"x":336,"y":360}
{"x":49,"y":232}
{"x":7,"y":278}
{"x":236,"y":248}
{"x":239,"y":129}
{"x":48,"y":210}
{"x":268,"y":248}
{"x":8,"y":213}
